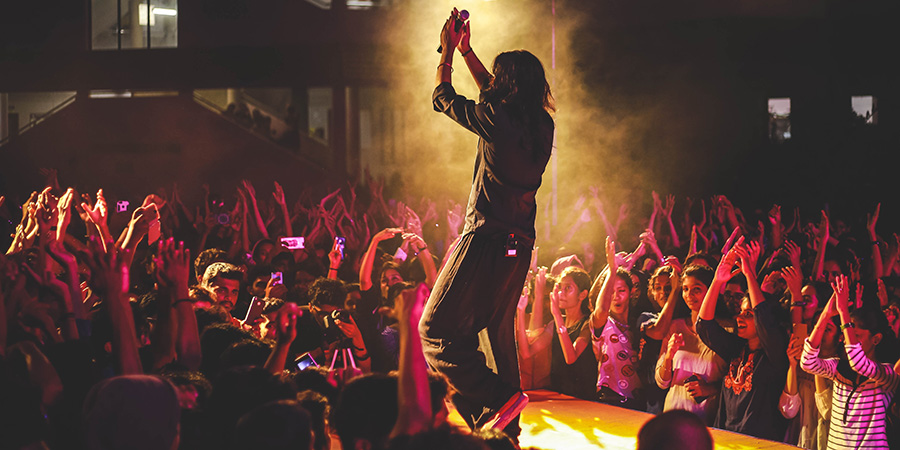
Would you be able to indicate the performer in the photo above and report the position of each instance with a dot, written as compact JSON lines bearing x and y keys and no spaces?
{"x":474,"y":300}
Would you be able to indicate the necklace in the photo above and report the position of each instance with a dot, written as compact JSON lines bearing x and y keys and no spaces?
{"x":622,"y":326}
{"x":740,"y":373}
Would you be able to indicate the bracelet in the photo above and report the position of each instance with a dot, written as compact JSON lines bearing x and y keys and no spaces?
{"x":445,"y":64}
{"x":467,"y":51}
{"x":333,"y":268}
{"x":176,"y":302}
{"x":875,"y":242}
{"x":358,"y":349}
{"x":362,"y":358}
{"x":844,"y":326}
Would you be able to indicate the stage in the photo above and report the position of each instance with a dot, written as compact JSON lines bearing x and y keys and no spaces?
{"x":553,"y":421}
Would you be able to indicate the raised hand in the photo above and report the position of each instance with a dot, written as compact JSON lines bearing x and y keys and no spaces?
{"x":841,"y":287}
{"x":872,"y":221}
{"x":768,"y":282}
{"x":285,"y":321}
{"x":465,"y":38}
{"x":98,"y":213}
{"x":882,"y":294}
{"x":725,"y":268}
{"x":793,"y":253}
{"x":554,"y":307}
{"x":670,"y":205}
{"x":730,"y":241}
{"x":450,"y":37}
{"x":412,"y":224}
{"x":248,"y":187}
{"x":173,"y":267}
{"x":64,"y":213}
{"x":275,"y":290}
{"x":795,"y":349}
{"x":676,"y":342}
{"x":859,"y":295}
{"x":611,"y":256}
{"x":523,"y":301}
{"x":823,"y":229}
{"x":754,"y":250}
{"x":455,"y":217}
{"x":279,"y":195}
{"x":775,"y":215}
{"x":794,"y":279}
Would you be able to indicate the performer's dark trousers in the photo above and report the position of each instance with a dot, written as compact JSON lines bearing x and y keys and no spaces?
{"x":468,"y":326}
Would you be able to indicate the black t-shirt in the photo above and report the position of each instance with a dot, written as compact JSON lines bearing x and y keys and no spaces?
{"x":753,"y":384}
{"x":504,"y":183}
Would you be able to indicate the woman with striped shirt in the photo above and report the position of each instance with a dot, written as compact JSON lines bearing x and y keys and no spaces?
{"x":863,"y":387}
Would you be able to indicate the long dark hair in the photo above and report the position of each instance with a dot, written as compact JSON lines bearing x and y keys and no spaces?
{"x":520,"y":84}
{"x":519,"y":80}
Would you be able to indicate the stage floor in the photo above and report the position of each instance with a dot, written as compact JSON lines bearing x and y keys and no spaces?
{"x":554,"y":421}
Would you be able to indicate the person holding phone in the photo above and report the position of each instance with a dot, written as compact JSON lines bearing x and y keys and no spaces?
{"x":477,"y":290}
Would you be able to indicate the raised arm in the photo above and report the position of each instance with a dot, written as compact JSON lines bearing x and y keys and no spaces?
{"x":365,"y":267}
{"x":173,"y":264}
{"x":479,"y":73}
{"x":420,"y":249}
{"x":285,"y":323}
{"x":722,"y":275}
{"x":659,"y":328}
{"x":251,"y":194}
{"x":667,"y":211}
{"x":282,"y":205}
{"x":450,"y":38}
{"x":413,"y":394}
{"x":877,"y":263}
{"x":529,"y":346}
{"x":604,"y":298}
{"x":110,"y":274}
{"x":823,"y":234}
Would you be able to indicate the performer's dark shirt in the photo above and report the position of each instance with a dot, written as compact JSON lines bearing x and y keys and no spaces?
{"x":502,"y":199}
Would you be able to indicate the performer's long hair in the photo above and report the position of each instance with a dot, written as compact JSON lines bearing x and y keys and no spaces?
{"x":519,"y":81}
{"x":520,"y":84}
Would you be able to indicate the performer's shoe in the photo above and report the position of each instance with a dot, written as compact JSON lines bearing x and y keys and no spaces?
{"x":503,"y":416}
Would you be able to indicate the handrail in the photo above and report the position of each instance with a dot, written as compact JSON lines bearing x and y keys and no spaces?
{"x":40,"y":119}
{"x":297,"y":152}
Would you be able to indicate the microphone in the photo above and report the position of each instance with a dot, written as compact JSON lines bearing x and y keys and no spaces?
{"x":463,"y":16}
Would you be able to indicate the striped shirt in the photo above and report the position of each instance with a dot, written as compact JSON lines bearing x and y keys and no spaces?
{"x":858,"y":413}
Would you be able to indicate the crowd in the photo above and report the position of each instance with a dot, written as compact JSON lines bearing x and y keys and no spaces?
{"x":248,"y":323}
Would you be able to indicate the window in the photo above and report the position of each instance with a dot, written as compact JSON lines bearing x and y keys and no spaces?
{"x":865,"y":109}
{"x":125,"y":24}
{"x":779,"y":119}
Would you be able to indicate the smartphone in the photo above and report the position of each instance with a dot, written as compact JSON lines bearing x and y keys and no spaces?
{"x":277,"y":277}
{"x":339,"y":244}
{"x":293,"y":243}
{"x":305,"y":360}
{"x":400,"y":255}
{"x":254,"y":312}
{"x":695,"y":377}
{"x":154,"y":232}
{"x":122,"y":206}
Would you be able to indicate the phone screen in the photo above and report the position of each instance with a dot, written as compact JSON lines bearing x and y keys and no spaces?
{"x":277,"y":277}
{"x":339,"y":244}
{"x":305,"y":360}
